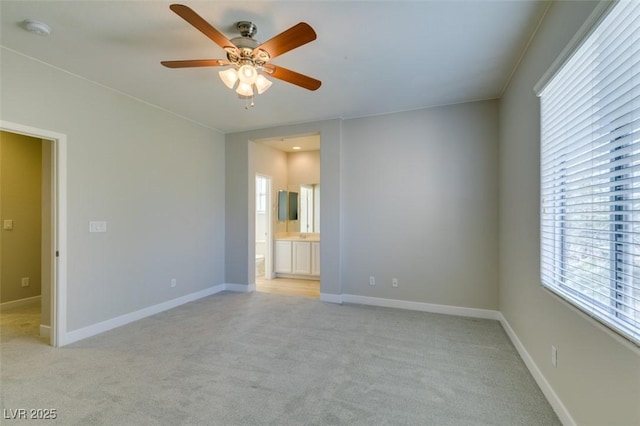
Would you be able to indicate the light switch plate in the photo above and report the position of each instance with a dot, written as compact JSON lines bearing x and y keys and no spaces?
{"x":7,"y":225}
{"x":97,"y":226}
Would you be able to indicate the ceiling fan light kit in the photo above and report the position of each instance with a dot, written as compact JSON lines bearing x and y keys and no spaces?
{"x":229,"y":77}
{"x":262,"y":84}
{"x":249,"y":59}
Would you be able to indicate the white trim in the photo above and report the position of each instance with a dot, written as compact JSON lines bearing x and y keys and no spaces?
{"x":240,"y":288}
{"x":598,"y":14}
{"x":18,"y":303}
{"x":525,"y":50}
{"x":110,"y":324}
{"x":59,"y":240}
{"x":45,"y":331}
{"x":543,"y":384}
{"x":420,"y":306}
{"x":59,"y":289}
{"x":268,"y":242}
{"x":101,"y":327}
{"x":596,"y":322}
{"x":331,"y":298}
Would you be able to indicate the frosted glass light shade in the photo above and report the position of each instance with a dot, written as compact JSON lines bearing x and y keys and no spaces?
{"x":262,"y":84}
{"x":244,"y":89}
{"x":247,"y":74}
{"x":229,"y":77}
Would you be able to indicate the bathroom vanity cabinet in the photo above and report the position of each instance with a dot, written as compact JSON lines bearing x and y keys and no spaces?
{"x":283,"y":260}
{"x":297,"y":258}
{"x":301,"y":257}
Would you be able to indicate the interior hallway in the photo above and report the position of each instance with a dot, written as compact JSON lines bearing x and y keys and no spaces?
{"x":22,"y":322}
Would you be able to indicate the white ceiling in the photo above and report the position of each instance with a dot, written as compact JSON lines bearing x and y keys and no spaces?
{"x":294,"y":144}
{"x":372,"y":57}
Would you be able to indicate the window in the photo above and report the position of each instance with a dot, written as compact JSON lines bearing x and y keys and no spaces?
{"x":590,"y":174}
{"x":261,"y":194}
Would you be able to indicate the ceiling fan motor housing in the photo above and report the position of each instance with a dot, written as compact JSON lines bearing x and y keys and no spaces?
{"x":245,"y":46}
{"x":247,"y":29}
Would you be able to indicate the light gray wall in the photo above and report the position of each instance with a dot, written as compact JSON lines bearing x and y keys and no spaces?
{"x":598,"y":376}
{"x":421,"y":205}
{"x":392,"y":223}
{"x":157,"y":179}
{"x":240,"y":201}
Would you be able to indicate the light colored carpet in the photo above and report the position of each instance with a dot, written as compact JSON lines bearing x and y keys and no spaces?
{"x":254,"y":359}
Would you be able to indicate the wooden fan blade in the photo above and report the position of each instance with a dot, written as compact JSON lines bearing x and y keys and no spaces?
{"x":203,"y":26}
{"x":288,"y":40}
{"x":293,"y":77}
{"x":196,"y":63}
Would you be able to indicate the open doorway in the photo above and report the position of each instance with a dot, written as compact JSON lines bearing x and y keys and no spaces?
{"x":293,"y":167}
{"x":33,"y":214}
{"x":25,"y":199}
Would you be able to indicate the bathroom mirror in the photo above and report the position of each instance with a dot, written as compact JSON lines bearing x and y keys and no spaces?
{"x":293,"y":206}
{"x":282,"y":205}
{"x":300,"y":208}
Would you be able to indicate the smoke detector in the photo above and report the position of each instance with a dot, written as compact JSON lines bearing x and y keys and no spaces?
{"x":36,"y":27}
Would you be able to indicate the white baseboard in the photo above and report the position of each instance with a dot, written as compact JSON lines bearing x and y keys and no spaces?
{"x":560,"y":409}
{"x":420,"y":306}
{"x":101,"y":327}
{"x":18,"y":303}
{"x":45,"y":330}
{"x":240,"y":288}
{"x":331,"y":298}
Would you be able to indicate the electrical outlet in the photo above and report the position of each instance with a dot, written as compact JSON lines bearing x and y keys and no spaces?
{"x":24,"y":282}
{"x":554,"y":356}
{"x":372,"y":280}
{"x":394,"y":282}
{"x":174,"y":282}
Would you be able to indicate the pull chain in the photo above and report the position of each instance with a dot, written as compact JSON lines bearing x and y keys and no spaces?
{"x":248,"y":104}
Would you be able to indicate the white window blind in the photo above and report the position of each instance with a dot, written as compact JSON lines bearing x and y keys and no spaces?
{"x":590,"y":174}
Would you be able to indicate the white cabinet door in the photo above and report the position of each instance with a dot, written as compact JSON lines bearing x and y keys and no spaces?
{"x":315,"y":258}
{"x":301,"y":257}
{"x":283,"y":257}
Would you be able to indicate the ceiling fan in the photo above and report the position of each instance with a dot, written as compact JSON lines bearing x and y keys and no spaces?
{"x":249,"y":59}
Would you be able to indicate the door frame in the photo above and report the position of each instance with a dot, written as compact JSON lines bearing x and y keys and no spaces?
{"x":59,"y":225}
{"x":268,"y":256}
